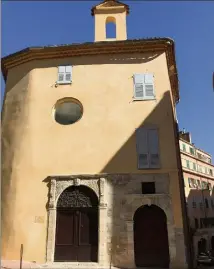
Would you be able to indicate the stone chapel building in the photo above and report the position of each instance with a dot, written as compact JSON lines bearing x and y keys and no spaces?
{"x":90,"y":164}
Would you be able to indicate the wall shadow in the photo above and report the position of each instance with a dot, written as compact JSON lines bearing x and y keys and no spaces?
{"x":122,"y":163}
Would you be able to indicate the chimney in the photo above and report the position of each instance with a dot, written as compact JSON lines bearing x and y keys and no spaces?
{"x":185,"y":135}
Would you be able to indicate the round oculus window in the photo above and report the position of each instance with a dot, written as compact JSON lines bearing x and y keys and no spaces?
{"x":68,"y":112}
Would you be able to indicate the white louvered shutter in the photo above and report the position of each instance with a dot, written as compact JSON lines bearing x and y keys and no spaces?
{"x":68,"y":73}
{"x":61,"y":73}
{"x":154,"y":156}
{"x":138,"y":86}
{"x":142,"y":148}
{"x":149,"y":86}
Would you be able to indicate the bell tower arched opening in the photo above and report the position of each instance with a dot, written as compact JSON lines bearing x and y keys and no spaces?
{"x":110,"y":27}
{"x":110,"y":14}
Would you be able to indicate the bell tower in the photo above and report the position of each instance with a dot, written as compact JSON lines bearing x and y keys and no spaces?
{"x":110,"y":11}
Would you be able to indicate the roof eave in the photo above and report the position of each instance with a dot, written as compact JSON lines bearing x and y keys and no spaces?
{"x":103,"y":47}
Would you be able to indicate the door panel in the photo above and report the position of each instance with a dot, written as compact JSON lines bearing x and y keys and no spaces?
{"x":66,"y":253}
{"x":84,"y":247}
{"x":88,"y":235}
{"x":151,"y":238}
{"x":65,"y":247}
{"x":77,"y":235}
{"x":65,"y":221}
{"x":84,"y":228}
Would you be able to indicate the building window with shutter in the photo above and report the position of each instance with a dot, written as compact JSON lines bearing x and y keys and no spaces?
{"x":204,"y":185}
{"x":199,"y":168}
{"x":195,"y":183}
{"x":64,"y":74}
{"x":144,"y":87}
{"x":194,"y":166}
{"x":184,"y":147}
{"x":147,"y":144}
{"x":187,"y":163}
{"x":190,"y":182}
{"x":192,"y":151}
{"x":199,"y":183}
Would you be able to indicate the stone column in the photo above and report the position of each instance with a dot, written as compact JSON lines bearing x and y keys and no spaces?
{"x":172,"y":244}
{"x":102,"y":251}
{"x":51,"y":223}
{"x":51,"y":235}
{"x":130,"y":244}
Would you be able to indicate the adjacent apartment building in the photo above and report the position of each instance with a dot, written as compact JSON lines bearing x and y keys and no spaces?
{"x":90,"y":166}
{"x":198,"y":173}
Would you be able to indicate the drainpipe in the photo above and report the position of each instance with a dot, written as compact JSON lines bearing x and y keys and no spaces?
{"x":186,"y":225}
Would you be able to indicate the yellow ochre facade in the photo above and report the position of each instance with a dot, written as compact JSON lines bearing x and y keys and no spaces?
{"x":41,"y":158}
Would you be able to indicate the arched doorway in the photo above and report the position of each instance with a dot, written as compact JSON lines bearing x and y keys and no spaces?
{"x":202,"y":245}
{"x":212,"y":245}
{"x":151,"y":245}
{"x":77,"y":225}
{"x":212,"y":242}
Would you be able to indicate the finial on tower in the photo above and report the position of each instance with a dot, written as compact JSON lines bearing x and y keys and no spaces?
{"x":110,"y":11}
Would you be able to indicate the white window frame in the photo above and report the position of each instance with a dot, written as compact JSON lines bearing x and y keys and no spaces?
{"x":144,"y":97}
{"x":64,"y":81}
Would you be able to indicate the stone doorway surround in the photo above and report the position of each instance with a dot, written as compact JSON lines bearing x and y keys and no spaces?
{"x":56,"y":186}
{"x":133,"y":199}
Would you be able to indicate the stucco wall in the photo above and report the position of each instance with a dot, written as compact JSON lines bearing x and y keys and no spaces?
{"x":103,"y":141}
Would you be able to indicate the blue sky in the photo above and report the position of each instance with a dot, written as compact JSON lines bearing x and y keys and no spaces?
{"x":190,"y":24}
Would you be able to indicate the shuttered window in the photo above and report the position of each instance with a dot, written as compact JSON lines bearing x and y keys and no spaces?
{"x":144,"y":86}
{"x":64,"y":74}
{"x":147,"y":148}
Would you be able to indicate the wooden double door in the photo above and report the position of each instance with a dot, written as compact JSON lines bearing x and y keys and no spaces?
{"x":76,"y":235}
{"x":151,"y":246}
{"x":76,"y":230}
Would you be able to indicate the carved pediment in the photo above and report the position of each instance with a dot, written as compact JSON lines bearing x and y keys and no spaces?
{"x":109,"y":4}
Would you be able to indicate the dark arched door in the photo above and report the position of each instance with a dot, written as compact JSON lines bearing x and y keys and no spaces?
{"x":151,"y":246}
{"x":212,"y":242}
{"x":77,"y":225}
{"x":202,"y":245}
